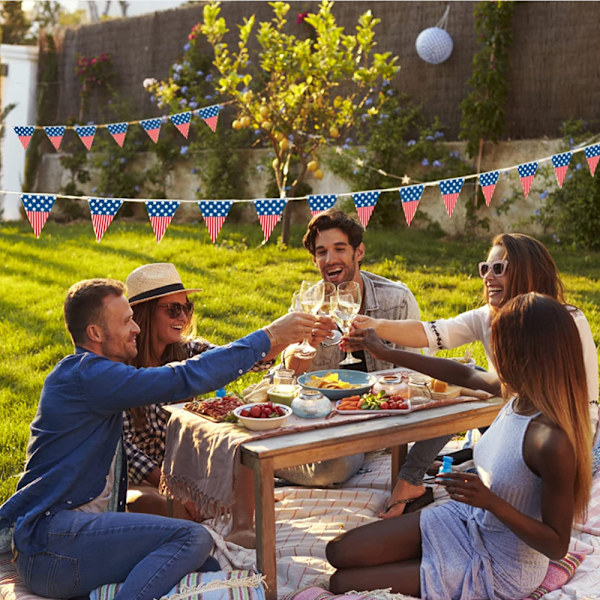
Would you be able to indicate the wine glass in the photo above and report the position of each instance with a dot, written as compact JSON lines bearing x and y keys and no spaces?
{"x":348,"y":300}
{"x":311,"y":298}
{"x":329,"y":302}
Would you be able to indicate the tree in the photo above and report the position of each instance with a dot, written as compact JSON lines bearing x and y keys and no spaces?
{"x":305,"y":93}
{"x":14,"y":24}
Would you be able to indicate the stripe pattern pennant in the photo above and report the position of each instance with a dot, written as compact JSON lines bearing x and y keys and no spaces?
{"x":182,"y":122}
{"x":103,"y":211}
{"x":214,"y":213}
{"x":450,"y":189}
{"x":55,"y":134}
{"x":118,"y":131}
{"x":161,"y":212}
{"x":560,"y":162}
{"x":269,"y":212}
{"x":527,"y":173}
{"x":592,"y":154}
{"x":321,"y":202}
{"x":410,"y":197}
{"x":152,"y":128}
{"x":86,"y":134}
{"x":24,"y":132}
{"x":365,"y":203}
{"x":488,"y":182}
{"x":210,"y":114}
{"x":37,"y":207}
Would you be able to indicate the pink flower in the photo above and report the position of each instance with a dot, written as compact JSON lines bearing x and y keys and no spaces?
{"x":301,"y":16}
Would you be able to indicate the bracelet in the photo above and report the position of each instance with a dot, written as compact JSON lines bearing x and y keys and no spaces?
{"x":271,"y":336}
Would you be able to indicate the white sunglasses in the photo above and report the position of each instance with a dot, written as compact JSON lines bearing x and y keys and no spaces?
{"x":498,"y":268}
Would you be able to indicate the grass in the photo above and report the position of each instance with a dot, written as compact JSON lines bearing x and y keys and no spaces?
{"x":245,"y":286}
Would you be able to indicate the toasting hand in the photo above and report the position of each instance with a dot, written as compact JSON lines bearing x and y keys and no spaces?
{"x":364,"y":339}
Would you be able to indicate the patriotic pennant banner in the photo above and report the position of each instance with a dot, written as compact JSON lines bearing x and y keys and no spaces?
{"x":365,"y":203}
{"x":450,"y":189}
{"x":321,"y":202}
{"x":210,"y":115}
{"x":152,"y":128}
{"x":269,"y":212}
{"x":410,"y":197}
{"x":24,"y":134}
{"x":182,"y":122}
{"x":592,"y":154}
{"x":214,"y":213}
{"x":560,"y":162}
{"x":37,"y":207}
{"x":55,"y":134}
{"x":161,"y":212}
{"x":103,"y":211}
{"x":86,"y":134}
{"x":488,"y":182}
{"x":118,"y":131}
{"x":527,"y":173}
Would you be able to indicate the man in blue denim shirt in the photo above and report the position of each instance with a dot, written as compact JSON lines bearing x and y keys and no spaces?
{"x":65,"y":545}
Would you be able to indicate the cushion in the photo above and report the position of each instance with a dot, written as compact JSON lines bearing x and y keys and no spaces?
{"x":318,"y":593}
{"x":559,"y":572}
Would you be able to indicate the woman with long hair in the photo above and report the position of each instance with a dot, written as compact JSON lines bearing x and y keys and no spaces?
{"x":516,"y":264}
{"x":502,"y":524}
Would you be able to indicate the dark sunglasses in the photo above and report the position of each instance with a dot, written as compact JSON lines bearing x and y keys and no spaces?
{"x":174,"y":309}
{"x":498,"y":268}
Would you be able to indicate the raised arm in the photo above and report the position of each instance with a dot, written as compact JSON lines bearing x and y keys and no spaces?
{"x":407,"y":332}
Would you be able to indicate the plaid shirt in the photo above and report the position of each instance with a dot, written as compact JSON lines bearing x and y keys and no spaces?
{"x":145,"y":449}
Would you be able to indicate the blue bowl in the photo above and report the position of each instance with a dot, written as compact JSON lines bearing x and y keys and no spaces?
{"x":364,"y":380}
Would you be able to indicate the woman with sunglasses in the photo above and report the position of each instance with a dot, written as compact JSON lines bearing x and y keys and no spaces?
{"x":516,"y":264}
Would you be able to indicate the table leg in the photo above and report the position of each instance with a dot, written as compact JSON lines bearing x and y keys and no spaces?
{"x":264,"y":496}
{"x":398,"y":457}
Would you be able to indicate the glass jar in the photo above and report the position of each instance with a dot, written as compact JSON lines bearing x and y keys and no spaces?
{"x":284,"y":376}
{"x":310,"y":404}
{"x":419,"y":389}
{"x":391,"y":385}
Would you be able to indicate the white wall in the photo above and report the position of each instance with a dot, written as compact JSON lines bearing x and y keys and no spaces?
{"x":19,"y":87}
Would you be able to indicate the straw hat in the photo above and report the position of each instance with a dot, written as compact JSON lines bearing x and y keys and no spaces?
{"x":154,"y":281}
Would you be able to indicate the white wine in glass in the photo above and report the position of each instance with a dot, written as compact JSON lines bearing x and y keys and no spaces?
{"x":347,"y":306}
{"x":311,"y":298}
{"x":329,"y":301}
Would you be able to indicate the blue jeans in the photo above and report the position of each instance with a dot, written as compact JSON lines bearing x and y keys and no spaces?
{"x":148,"y":553}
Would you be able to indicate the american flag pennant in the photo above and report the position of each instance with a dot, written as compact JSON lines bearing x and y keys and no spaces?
{"x":269,"y":212}
{"x":214,"y":213}
{"x":527,"y":173}
{"x":182,"y":122}
{"x":103,"y":211}
{"x":365,"y":203}
{"x":118,"y":131}
{"x":37,"y":207}
{"x":488,"y":182}
{"x":161,"y":212}
{"x":450,"y":189}
{"x":410,"y":197}
{"x":560,"y":162}
{"x":24,"y":132}
{"x":321,"y":202}
{"x":152,"y":128}
{"x":210,"y":114}
{"x":592,"y":153}
{"x":86,"y":134}
{"x":55,"y":134}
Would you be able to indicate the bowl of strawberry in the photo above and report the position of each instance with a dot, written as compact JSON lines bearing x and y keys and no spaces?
{"x":262,"y":416}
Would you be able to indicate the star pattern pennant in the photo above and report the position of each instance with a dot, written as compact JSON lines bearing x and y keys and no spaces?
{"x":118,"y":131}
{"x":55,"y":134}
{"x":152,"y":128}
{"x":592,"y":154}
{"x":410,"y":197}
{"x":365,"y":203}
{"x":450,"y":189}
{"x":560,"y":162}
{"x":269,"y":212}
{"x":321,"y":202}
{"x":37,"y":207}
{"x":103,"y":211}
{"x":488,"y":182}
{"x":182,"y":122}
{"x":161,"y":212}
{"x":527,"y":173}
{"x":24,"y":132}
{"x":210,"y":114}
{"x":86,"y":134}
{"x":214,"y":213}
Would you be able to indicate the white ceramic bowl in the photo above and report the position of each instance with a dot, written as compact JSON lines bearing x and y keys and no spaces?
{"x":262,"y":424}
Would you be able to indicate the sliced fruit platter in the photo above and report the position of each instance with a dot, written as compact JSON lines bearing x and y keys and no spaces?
{"x":381,"y":403}
{"x":215,"y":409}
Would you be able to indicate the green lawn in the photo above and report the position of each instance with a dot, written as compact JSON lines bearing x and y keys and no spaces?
{"x":245,"y":286}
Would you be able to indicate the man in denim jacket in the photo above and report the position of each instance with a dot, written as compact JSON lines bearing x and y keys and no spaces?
{"x":65,"y":541}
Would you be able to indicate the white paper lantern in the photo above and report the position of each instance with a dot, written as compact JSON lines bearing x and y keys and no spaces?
{"x":434,"y":45}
